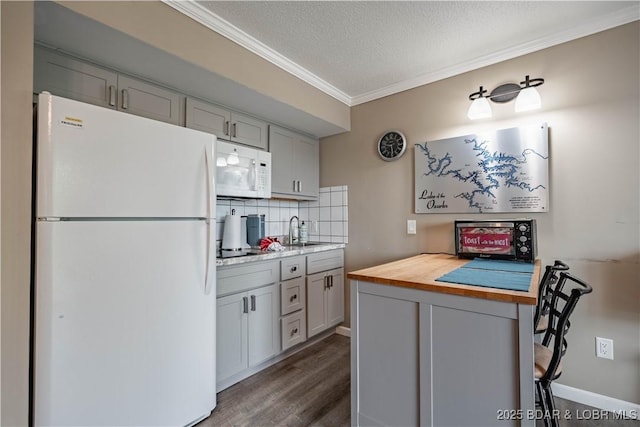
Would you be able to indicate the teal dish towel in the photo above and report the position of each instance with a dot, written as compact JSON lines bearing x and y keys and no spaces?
{"x":511,"y":275}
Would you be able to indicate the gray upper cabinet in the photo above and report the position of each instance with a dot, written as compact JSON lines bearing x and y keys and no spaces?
{"x":147,"y":100}
{"x":64,"y":76}
{"x":226,"y":124}
{"x":71,"y":78}
{"x":295,"y":164}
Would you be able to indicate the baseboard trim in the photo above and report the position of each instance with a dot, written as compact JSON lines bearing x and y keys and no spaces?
{"x":344,"y":331}
{"x":621,"y":407}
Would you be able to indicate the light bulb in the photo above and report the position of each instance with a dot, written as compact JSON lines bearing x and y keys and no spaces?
{"x":233,"y":159}
{"x":528,"y":99}
{"x":221,"y":162}
{"x":479,"y":109}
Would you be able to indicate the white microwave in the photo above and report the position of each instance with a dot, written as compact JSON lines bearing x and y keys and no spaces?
{"x":242,"y":172}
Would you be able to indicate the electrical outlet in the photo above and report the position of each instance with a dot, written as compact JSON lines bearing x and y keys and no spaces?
{"x":411,"y":226}
{"x":604,"y":348}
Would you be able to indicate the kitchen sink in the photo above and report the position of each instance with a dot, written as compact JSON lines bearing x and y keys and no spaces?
{"x":303,"y":245}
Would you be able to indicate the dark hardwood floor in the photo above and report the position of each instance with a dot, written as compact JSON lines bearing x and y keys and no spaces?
{"x":312,"y":388}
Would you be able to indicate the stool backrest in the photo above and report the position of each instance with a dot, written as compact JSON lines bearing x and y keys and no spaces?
{"x":545,"y":290}
{"x":564,"y":298}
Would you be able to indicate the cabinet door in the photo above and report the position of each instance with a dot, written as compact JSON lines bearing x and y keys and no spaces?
{"x":249,"y":131}
{"x":264,"y":330}
{"x":281,"y":149}
{"x":335,"y":298}
{"x":306,"y":165}
{"x":316,"y":311}
{"x":208,"y":118}
{"x":64,"y":76}
{"x":231,"y":335}
{"x":147,"y":100}
{"x":295,"y":160}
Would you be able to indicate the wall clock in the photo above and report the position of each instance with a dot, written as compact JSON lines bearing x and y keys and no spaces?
{"x":392,"y":145}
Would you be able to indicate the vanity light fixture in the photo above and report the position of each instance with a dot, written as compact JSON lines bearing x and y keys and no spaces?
{"x":528,"y":98}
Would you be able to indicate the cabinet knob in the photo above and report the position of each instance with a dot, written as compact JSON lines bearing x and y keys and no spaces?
{"x":294,"y":268}
{"x":294,"y":331}
{"x":294,"y":297}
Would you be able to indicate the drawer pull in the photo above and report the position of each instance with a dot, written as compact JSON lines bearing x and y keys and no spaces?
{"x":294,"y":331}
{"x":294,"y":297}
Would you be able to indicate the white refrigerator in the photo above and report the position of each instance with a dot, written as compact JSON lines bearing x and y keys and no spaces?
{"x":124,"y":269}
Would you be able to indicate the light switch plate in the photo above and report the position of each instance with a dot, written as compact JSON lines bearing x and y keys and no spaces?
{"x":411,"y":226}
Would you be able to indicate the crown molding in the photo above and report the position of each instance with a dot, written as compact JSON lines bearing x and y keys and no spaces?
{"x":226,"y":29}
{"x":212,"y":21}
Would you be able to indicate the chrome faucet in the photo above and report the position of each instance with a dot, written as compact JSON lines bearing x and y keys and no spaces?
{"x":292,"y":238}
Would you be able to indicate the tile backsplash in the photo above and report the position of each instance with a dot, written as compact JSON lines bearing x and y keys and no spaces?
{"x":327,"y":218}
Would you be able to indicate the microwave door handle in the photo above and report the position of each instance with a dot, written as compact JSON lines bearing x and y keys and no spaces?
{"x":254,"y":180}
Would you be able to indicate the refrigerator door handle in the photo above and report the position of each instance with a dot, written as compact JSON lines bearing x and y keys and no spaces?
{"x":209,"y":277}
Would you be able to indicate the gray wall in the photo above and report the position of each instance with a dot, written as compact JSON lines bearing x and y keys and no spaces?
{"x":591,"y":103}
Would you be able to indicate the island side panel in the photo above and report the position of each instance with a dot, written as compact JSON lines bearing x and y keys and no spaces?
{"x":474,"y":367}
{"x":388,"y":371}
{"x":525,"y":353}
{"x":475,"y":358}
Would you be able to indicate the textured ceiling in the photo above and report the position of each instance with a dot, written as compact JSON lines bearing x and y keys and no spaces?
{"x":360,"y":50}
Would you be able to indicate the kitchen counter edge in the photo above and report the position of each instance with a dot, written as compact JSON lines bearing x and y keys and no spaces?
{"x":289,"y":251}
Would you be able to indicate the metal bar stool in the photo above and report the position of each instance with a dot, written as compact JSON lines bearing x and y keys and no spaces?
{"x":548,"y":355}
{"x":547,"y":284}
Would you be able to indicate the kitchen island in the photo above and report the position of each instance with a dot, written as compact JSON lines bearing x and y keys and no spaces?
{"x":425,"y":352}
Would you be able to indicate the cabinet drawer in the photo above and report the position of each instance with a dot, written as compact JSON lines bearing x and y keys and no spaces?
{"x":240,"y":278}
{"x":294,"y":329}
{"x":292,"y":295}
{"x":292,"y":267}
{"x":323,"y":261}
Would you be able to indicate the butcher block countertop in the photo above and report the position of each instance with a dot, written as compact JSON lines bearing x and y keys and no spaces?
{"x":421,"y":271}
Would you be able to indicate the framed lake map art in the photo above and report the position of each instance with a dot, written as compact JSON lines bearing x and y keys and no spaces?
{"x":497,"y":172}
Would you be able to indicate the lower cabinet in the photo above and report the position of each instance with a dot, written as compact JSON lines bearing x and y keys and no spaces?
{"x":325,"y":300}
{"x":248,"y":331}
{"x":265,"y":308}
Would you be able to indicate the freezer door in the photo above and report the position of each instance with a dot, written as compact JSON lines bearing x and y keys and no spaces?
{"x":124,"y":332}
{"x":95,"y":162}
